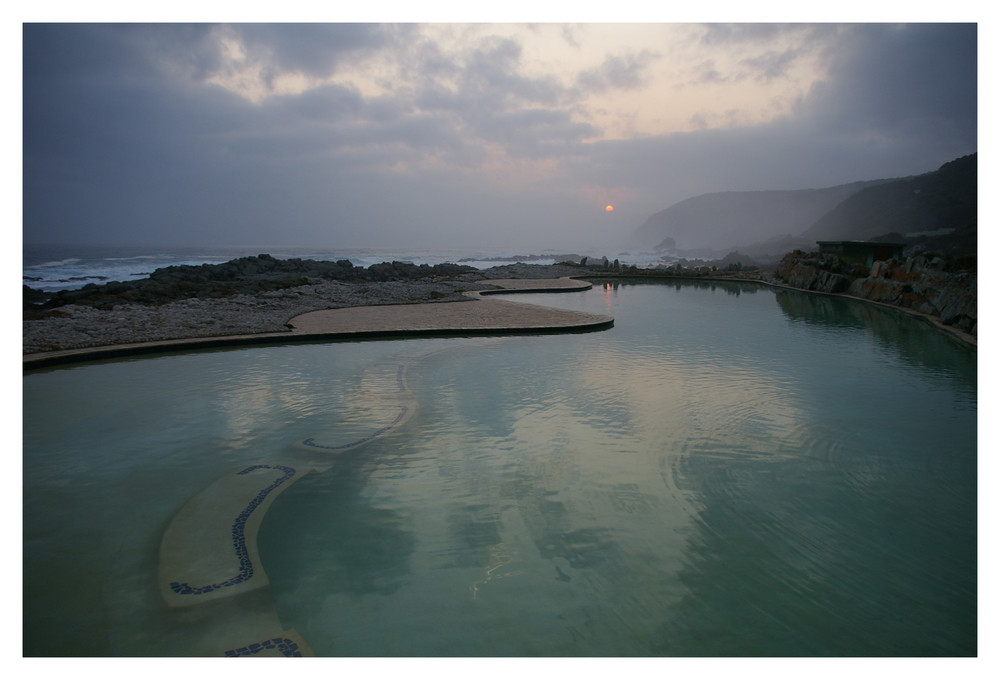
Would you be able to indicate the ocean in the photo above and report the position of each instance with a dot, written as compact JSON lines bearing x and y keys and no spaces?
{"x":52,"y":268}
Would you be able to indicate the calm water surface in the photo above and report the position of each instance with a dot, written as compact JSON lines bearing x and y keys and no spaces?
{"x":730,"y":470}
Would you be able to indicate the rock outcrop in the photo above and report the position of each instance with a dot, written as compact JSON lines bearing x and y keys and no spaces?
{"x":818,"y":271}
{"x":917,"y":283}
{"x":244,"y":276}
{"x":925,"y":287}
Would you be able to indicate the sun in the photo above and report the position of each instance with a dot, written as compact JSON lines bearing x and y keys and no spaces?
{"x":609,"y":208}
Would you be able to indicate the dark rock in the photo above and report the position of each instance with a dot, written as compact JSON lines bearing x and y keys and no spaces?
{"x":915,"y":283}
{"x":246,"y":275}
{"x":817,"y":271}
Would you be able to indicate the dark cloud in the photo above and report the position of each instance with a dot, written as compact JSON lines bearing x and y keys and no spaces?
{"x":329,"y":103}
{"x":313,"y":49}
{"x":534,"y":133}
{"x":900,"y":82}
{"x":761,"y":35}
{"x":714,"y":35}
{"x":708,"y":75}
{"x":124,"y":140}
{"x":74,"y":51}
{"x":771,"y":65}
{"x":617,"y":72}
{"x":491,"y":78}
{"x":763,"y":63}
{"x":897,"y":100}
{"x":569,"y":35}
{"x":485,"y":81}
{"x":486,"y":96}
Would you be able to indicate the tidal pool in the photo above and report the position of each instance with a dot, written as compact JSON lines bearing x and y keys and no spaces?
{"x":729,"y":471}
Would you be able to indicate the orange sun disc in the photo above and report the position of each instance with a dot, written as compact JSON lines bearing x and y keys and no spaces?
{"x":609,"y":208}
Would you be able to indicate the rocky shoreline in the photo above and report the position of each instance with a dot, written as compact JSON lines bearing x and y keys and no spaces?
{"x":261,"y":294}
{"x":270,"y":292}
{"x":919,"y":284}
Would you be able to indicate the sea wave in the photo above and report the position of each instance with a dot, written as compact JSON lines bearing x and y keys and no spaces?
{"x":67,"y":267}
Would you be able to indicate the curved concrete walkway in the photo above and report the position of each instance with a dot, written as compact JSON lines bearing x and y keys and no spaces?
{"x":482,"y":314}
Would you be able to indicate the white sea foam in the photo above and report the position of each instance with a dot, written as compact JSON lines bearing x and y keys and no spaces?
{"x":66,"y":268}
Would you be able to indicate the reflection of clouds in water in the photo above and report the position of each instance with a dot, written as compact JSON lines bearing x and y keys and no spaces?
{"x":267,"y":391}
{"x":672,"y":400}
{"x":674,"y":491}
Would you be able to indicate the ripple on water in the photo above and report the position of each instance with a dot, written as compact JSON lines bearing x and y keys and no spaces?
{"x":708,"y":477}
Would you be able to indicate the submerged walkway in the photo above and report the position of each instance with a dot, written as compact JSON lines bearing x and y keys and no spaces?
{"x":210,"y":568}
{"x":482,"y":314}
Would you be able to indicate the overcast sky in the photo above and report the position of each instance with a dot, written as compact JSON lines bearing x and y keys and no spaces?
{"x":473,"y":136}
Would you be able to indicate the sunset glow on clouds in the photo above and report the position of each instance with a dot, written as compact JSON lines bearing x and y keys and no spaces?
{"x":684,"y":78}
{"x":418,"y":133}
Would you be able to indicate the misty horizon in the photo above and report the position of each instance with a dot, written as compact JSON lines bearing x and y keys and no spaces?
{"x":465,"y":136}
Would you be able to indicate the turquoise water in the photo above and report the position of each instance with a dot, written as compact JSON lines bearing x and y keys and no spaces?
{"x":729,"y":471}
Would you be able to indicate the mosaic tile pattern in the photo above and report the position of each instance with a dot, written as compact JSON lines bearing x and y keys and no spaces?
{"x":403,"y":410}
{"x":284,"y":645}
{"x":385,"y":384}
{"x":239,"y":537}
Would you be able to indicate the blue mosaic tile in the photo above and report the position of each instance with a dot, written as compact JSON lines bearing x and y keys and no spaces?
{"x":239,"y":539}
{"x":286,"y":646}
{"x":400,"y":388}
{"x":313,"y":443}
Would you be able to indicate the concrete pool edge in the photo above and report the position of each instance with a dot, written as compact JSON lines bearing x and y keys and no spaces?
{"x":956,"y":334}
{"x":483,"y":316}
{"x":967,"y":339}
{"x":39,"y":360}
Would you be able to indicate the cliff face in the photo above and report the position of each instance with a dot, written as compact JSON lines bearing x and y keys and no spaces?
{"x":919,"y":284}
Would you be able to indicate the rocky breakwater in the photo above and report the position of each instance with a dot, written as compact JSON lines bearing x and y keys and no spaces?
{"x":925,"y":285}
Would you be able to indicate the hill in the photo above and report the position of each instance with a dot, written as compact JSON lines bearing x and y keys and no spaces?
{"x":937,"y":210}
{"x":738,"y":218}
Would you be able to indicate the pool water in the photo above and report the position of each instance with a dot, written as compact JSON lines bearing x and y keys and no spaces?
{"x":729,"y":471}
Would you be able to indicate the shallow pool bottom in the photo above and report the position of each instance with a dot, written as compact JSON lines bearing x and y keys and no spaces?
{"x":729,"y":471}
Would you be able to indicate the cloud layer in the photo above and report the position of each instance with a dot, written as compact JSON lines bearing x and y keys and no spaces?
{"x":474,"y":136}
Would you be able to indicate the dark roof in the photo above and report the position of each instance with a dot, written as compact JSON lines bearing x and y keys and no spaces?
{"x":861,"y":243}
